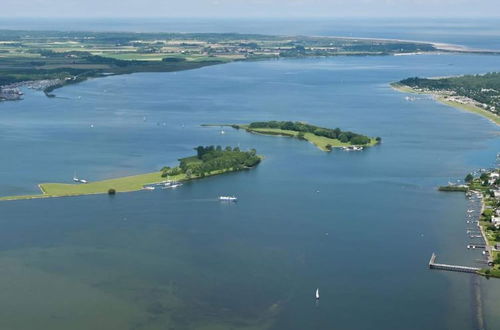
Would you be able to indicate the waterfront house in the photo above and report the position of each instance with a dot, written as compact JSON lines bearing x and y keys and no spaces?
{"x":496,"y":221}
{"x":496,"y":193}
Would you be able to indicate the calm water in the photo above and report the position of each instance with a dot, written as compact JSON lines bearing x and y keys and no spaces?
{"x":360,"y":226}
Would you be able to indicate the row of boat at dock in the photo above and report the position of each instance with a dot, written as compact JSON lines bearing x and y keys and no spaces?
{"x":472,"y":217}
{"x":475,"y":233}
{"x":352,"y":148}
{"x":163,"y":185}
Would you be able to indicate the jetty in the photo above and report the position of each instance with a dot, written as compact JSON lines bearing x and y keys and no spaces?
{"x":453,"y":268}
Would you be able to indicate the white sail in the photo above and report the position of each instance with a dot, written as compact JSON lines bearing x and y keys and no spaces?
{"x":317,"y":293}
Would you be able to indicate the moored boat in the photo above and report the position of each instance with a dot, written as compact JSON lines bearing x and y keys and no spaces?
{"x":228,"y":198}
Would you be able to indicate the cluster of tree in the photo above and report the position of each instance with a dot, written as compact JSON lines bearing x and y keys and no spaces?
{"x":210,"y":159}
{"x":173,"y":59}
{"x":302,"y":128}
{"x":368,"y":47}
{"x":481,"y":88}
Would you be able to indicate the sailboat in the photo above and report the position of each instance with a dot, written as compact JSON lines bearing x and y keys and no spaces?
{"x":317,"y":294}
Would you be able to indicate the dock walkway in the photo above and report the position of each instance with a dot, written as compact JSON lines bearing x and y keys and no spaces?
{"x":453,"y":268}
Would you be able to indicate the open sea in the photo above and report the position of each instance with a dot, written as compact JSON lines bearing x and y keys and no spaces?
{"x":359,"y":226}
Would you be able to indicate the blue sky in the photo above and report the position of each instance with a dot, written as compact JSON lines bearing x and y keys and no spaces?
{"x":249,"y":8}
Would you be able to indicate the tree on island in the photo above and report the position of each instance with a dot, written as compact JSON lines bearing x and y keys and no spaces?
{"x":469,"y":178}
{"x":212,"y":159}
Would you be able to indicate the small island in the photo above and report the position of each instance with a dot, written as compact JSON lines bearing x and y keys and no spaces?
{"x":475,"y":93}
{"x":208,"y":161}
{"x":325,"y":139}
{"x":486,"y":187}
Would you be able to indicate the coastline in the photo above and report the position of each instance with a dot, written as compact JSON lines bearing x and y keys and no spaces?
{"x":120,"y":185}
{"x":490,"y":245}
{"x":441,"y":99}
{"x":322,"y":143}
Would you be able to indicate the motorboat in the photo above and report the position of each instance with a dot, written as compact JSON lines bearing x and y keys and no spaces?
{"x":228,"y":198}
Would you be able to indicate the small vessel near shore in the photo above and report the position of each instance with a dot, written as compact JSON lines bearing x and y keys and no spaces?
{"x":228,"y":198}
{"x":352,"y":148}
{"x":171,"y":184}
{"x":76,"y":179}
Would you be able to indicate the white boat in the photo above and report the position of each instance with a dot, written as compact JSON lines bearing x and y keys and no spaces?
{"x":76,"y":179}
{"x":228,"y":198}
{"x":149,"y":188}
{"x":317,"y":293}
{"x":171,"y":184}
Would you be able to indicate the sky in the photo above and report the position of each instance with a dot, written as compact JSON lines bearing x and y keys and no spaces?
{"x":249,"y":8}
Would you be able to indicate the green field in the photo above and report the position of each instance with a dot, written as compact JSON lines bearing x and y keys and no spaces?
{"x":319,"y":141}
{"x":124,"y":184}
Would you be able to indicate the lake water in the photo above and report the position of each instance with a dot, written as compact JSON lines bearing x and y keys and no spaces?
{"x":359,"y":226}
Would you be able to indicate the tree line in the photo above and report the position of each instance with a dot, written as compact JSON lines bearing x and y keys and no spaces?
{"x":211,"y":159}
{"x":481,"y":88}
{"x":336,"y":133}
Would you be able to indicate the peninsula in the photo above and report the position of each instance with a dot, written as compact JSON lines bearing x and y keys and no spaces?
{"x":47,"y":60}
{"x":208,"y":161}
{"x":475,"y":93}
{"x":325,"y":139}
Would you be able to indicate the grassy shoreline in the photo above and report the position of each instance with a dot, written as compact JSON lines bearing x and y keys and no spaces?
{"x":467,"y":107}
{"x":320,"y":142}
{"x":121,"y":185}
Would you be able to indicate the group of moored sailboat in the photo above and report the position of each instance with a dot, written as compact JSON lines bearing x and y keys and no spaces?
{"x":76,"y":179}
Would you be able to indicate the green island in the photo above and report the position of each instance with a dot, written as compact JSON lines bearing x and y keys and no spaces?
{"x":208,"y":161}
{"x":479,"y":94}
{"x":487,"y":185}
{"x":325,"y":139}
{"x":46,"y":60}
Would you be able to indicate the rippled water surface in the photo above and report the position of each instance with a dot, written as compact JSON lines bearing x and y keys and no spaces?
{"x":359,"y":226}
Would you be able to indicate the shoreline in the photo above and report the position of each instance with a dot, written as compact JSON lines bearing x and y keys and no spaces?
{"x":441,"y":99}
{"x":323,"y":143}
{"x":435,"y":48}
{"x":124,"y":184}
{"x":490,"y":246}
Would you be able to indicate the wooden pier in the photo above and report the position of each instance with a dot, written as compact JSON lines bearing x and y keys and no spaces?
{"x":453,"y":268}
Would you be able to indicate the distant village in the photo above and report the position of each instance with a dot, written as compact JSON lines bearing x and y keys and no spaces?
{"x":13,"y":92}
